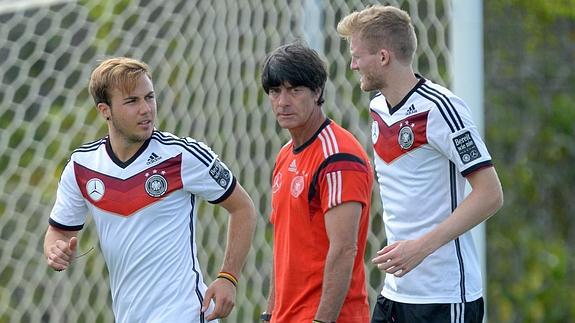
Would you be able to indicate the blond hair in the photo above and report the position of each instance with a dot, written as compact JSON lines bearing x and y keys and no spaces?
{"x":118,"y":72}
{"x":382,"y":27}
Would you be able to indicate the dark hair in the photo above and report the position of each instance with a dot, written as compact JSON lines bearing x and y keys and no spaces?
{"x":297,"y":65}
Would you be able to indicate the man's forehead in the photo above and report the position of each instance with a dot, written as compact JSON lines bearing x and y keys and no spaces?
{"x":285,"y":84}
{"x":140,"y":87}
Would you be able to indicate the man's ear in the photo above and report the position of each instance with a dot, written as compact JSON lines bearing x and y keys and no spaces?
{"x":385,"y":56}
{"x":104,"y":110}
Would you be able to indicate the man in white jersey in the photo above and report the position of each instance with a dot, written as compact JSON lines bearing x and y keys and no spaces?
{"x":426,"y":147}
{"x":142,"y":188}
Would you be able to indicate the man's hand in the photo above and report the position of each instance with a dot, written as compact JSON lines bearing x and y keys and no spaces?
{"x":60,"y":255}
{"x":399,"y":258}
{"x":223,"y":292}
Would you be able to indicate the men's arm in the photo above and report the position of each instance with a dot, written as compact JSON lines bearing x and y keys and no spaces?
{"x":60,"y":247}
{"x":342,"y":226}
{"x":241,"y":226}
{"x":272,"y":296}
{"x":485,"y":199}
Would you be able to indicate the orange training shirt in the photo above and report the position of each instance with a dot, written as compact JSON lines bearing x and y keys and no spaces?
{"x":330,"y":169}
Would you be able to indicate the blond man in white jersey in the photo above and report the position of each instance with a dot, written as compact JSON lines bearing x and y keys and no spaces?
{"x":142,"y":187}
{"x":425,"y":148}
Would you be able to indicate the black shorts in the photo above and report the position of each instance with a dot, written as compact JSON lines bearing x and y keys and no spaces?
{"x":388,"y":311}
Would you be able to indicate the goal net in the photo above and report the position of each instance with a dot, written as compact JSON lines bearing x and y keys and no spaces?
{"x":206,"y":57}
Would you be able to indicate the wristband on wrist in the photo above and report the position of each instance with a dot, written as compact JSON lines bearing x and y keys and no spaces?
{"x":266,"y":316}
{"x":227,"y":276}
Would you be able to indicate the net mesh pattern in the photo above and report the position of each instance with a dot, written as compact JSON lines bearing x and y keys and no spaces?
{"x":206,"y":58}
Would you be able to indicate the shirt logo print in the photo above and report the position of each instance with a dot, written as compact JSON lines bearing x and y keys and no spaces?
{"x":95,"y":188}
{"x":297,"y":185}
{"x":153,"y":158}
{"x":410,"y":110}
{"x":156,"y":185}
{"x":292,"y":167}
{"x":277,"y":183}
{"x":406,"y":136}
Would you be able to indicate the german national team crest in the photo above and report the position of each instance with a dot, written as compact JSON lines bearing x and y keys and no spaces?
{"x":405,"y":137}
{"x":156,"y":185}
{"x":95,"y":189}
{"x":297,"y":185}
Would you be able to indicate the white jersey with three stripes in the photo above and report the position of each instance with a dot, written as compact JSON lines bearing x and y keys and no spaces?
{"x":423,"y":148}
{"x":145,"y":212}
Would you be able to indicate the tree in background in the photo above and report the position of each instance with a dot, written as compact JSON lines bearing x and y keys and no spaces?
{"x":530,"y":127}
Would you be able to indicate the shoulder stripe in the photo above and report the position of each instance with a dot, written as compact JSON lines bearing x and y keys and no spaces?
{"x":334,"y":176}
{"x":448,"y":120}
{"x":329,"y":130}
{"x":201,"y":153}
{"x":91,"y":146}
{"x":446,"y":103}
{"x":328,"y":142}
{"x":323,"y":145}
{"x":334,"y":184}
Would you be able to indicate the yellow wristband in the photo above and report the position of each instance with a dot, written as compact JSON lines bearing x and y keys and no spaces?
{"x":229,"y":277}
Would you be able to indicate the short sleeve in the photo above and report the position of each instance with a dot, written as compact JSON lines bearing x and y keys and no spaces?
{"x":451,"y":131}
{"x":205,"y":175}
{"x":343,"y":178}
{"x":70,"y":209}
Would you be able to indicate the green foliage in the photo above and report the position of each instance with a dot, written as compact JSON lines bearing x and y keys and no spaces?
{"x":530,"y":113}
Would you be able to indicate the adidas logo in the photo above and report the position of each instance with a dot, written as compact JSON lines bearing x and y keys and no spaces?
{"x":292,"y":167}
{"x":410,"y":110}
{"x":153,"y":158}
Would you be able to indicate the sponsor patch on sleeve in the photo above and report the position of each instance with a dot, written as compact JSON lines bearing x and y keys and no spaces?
{"x":220,"y":174}
{"x":466,"y":147}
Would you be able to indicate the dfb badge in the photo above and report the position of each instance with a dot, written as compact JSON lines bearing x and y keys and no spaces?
{"x":406,"y":137}
{"x":297,"y":186}
{"x":156,"y":185}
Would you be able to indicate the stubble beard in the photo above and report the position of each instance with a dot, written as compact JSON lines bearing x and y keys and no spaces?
{"x":369,"y":83}
{"x":130,"y":138}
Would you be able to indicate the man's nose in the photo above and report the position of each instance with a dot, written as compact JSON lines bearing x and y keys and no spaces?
{"x":283,"y":98}
{"x":353,"y":65}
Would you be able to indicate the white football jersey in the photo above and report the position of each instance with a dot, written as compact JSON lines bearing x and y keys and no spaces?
{"x":144,"y":210}
{"x":423,"y":148}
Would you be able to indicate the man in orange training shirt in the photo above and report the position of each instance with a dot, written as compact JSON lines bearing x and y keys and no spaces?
{"x":321,"y":194}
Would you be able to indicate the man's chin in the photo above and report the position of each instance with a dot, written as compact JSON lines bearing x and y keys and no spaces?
{"x":366,"y":88}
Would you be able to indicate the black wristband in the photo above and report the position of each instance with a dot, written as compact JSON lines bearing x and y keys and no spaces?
{"x":266,"y":316}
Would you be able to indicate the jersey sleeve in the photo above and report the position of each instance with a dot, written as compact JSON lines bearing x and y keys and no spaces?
{"x":451,"y":130}
{"x":70,"y":209}
{"x":342,"y":178}
{"x":205,"y":175}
